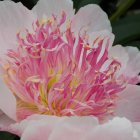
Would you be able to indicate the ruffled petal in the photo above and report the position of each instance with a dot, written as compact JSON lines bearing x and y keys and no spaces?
{"x":52,"y":127}
{"x":119,"y":53}
{"x":116,"y":129}
{"x":49,"y":7}
{"x":28,"y":129}
{"x":128,"y":104}
{"x":130,"y":65}
{"x":7,"y":101}
{"x":91,"y":18}
{"x":74,"y":128}
{"x":13,"y":18}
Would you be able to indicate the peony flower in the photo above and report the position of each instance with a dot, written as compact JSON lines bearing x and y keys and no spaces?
{"x":61,"y":75}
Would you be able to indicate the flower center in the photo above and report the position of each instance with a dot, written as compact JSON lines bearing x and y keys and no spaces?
{"x":55,"y":72}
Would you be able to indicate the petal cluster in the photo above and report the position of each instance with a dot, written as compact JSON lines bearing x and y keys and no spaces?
{"x":56,"y":72}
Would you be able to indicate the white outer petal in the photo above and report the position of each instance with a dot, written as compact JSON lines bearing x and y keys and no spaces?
{"x":91,"y":18}
{"x":129,"y":57}
{"x":128,"y":104}
{"x":14,"y":17}
{"x":116,"y":129}
{"x":75,"y":128}
{"x":49,"y":7}
{"x":119,"y":53}
{"x":7,"y":101}
{"x":133,"y":65}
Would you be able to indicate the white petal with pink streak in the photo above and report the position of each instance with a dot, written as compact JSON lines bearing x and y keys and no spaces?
{"x":130,"y":65}
{"x":13,"y":18}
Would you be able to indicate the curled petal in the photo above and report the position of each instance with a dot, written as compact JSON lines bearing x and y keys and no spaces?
{"x":130,"y":65}
{"x":7,"y":101}
{"x":116,"y":129}
{"x":12,"y":17}
{"x":119,"y":53}
{"x":49,"y":7}
{"x":91,"y":18}
{"x":74,"y":128}
{"x":133,"y":66}
{"x":129,"y":102}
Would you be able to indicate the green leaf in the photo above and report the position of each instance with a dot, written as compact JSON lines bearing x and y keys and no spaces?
{"x":127,"y":29}
{"x":8,"y":136}
{"x":122,"y":8}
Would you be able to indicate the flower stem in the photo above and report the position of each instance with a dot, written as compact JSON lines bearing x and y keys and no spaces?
{"x":122,"y":7}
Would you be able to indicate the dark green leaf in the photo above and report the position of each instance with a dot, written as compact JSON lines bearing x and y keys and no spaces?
{"x":122,"y":8}
{"x":127,"y":29}
{"x":110,"y":6}
{"x":81,"y":3}
{"x":134,"y":43}
{"x":8,"y":136}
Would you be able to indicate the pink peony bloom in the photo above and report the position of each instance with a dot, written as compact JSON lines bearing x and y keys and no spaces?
{"x":64,"y":67}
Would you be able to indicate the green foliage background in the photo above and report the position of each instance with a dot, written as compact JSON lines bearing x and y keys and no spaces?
{"x":125,"y":19}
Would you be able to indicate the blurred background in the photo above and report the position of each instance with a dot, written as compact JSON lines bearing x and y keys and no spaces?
{"x":125,"y":19}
